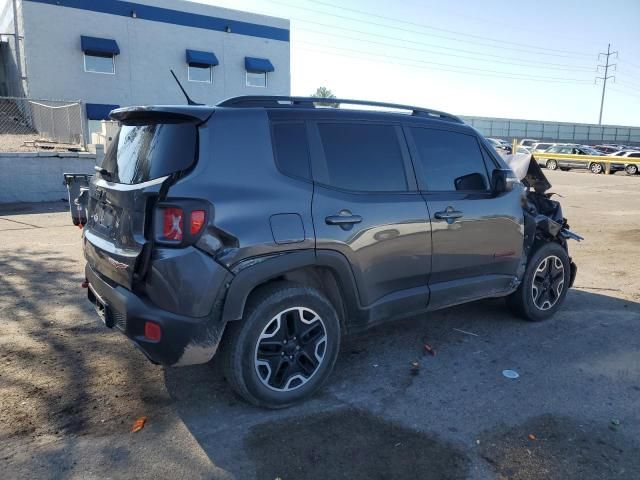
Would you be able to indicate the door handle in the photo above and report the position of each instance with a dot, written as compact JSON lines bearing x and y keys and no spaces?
{"x":449,"y":214}
{"x":342,"y":219}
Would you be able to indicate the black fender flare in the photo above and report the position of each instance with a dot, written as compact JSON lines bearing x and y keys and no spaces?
{"x":274,"y":266}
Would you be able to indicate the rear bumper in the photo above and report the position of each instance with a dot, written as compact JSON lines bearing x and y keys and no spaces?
{"x":184,"y":341}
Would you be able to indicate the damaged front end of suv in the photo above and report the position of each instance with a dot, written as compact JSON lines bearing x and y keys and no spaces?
{"x":543,"y":218}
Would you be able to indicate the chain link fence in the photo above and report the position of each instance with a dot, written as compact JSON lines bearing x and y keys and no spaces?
{"x":28,"y":125}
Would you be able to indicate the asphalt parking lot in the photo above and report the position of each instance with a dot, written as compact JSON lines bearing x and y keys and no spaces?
{"x":71,"y":389}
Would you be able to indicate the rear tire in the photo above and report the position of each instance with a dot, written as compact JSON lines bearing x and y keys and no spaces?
{"x":596,"y":168}
{"x":284,"y":348}
{"x":544,"y":285}
{"x":551,"y":164}
{"x":631,"y":169}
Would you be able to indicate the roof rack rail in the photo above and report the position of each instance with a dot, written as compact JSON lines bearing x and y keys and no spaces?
{"x":277,"y":101}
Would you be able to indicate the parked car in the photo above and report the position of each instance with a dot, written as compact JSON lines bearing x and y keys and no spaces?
{"x":607,"y":149}
{"x":500,"y":145}
{"x":594,"y":166}
{"x":629,"y":168}
{"x":528,"y":142}
{"x":541,"y":147}
{"x":262,"y":229}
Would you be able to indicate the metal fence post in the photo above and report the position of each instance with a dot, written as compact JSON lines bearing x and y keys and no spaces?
{"x":83,"y":131}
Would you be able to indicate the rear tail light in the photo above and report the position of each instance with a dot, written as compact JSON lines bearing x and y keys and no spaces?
{"x":196,"y":221}
{"x":179,"y":223}
{"x":173,"y":223}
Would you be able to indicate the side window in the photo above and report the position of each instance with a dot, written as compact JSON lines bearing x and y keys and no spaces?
{"x":634,"y":155}
{"x":291,"y":149}
{"x":363,"y":157}
{"x":450,"y":161}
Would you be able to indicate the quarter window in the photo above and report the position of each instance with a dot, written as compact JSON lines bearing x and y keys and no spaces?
{"x":363,"y":157}
{"x":450,"y":161}
{"x":256,"y":79}
{"x":291,"y":148}
{"x":99,"y":63}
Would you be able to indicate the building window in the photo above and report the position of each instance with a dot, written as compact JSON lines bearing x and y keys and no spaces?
{"x":95,"y":63}
{"x":257,"y":69}
{"x":200,"y":73}
{"x":99,"y":54}
{"x":200,"y":66}
{"x":256,"y":79}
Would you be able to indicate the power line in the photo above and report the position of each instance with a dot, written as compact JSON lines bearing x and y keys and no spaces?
{"x":483,"y":73}
{"x":606,"y":77}
{"x":553,"y":66}
{"x":422,"y":25}
{"x":625,"y":86}
{"x":420,"y":33}
{"x":629,"y":85}
{"x":442,"y":64}
{"x":624,"y":93}
{"x":631,"y":64}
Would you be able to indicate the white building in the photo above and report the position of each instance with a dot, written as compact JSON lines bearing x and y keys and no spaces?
{"x":109,"y":53}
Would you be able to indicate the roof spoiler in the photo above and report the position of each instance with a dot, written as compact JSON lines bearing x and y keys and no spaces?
{"x":167,"y":113}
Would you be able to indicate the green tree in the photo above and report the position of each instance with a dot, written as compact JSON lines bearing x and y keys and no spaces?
{"x":324,"y":92}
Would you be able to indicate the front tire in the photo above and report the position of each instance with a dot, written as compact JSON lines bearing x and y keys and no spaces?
{"x":544,"y":285}
{"x":596,"y":168}
{"x":631,"y":169}
{"x":284,"y":348}
{"x":551,"y":164}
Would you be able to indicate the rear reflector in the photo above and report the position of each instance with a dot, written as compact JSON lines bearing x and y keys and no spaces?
{"x":152,"y":331}
{"x":172,"y":223}
{"x":197,"y":221}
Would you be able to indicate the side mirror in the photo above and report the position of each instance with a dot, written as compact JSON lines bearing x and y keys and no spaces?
{"x":503,"y":180}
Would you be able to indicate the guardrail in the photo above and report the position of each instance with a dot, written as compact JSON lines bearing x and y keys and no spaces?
{"x":589,"y":159}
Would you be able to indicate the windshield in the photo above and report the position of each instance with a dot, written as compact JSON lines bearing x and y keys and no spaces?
{"x":143,"y":152}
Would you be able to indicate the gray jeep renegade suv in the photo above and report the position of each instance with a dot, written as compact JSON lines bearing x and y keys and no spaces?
{"x":265,"y":228}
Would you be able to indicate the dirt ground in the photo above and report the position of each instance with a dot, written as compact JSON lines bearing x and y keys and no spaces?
{"x":70,"y":389}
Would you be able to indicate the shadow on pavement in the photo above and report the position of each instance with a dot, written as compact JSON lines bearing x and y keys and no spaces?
{"x":7,"y":209}
{"x":372,"y":402}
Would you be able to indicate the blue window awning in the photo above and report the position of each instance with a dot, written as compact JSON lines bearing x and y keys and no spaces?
{"x":99,"y":111}
{"x":258,"y":65}
{"x":99,"y":46}
{"x":198,"y":58}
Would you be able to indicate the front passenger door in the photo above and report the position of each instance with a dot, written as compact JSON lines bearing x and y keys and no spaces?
{"x":476,"y":236}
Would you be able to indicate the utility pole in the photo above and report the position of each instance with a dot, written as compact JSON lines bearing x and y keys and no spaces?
{"x":606,"y":76}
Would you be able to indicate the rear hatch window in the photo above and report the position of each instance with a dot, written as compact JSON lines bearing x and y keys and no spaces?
{"x":140,"y":153}
{"x":122,"y":198}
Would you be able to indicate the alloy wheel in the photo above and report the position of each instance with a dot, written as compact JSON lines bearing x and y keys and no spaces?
{"x":548,"y":282}
{"x":596,"y":168}
{"x":631,"y":169}
{"x":551,"y":164}
{"x":290,"y":349}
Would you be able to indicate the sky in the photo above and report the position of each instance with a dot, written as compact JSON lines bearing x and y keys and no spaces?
{"x":497,"y":58}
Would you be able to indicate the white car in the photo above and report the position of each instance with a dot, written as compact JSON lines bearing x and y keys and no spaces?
{"x":541,"y":147}
{"x":528,"y":142}
{"x":629,"y":168}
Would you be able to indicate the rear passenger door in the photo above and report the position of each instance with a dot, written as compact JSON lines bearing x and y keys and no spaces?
{"x":367,"y":207}
{"x":476,"y":236}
